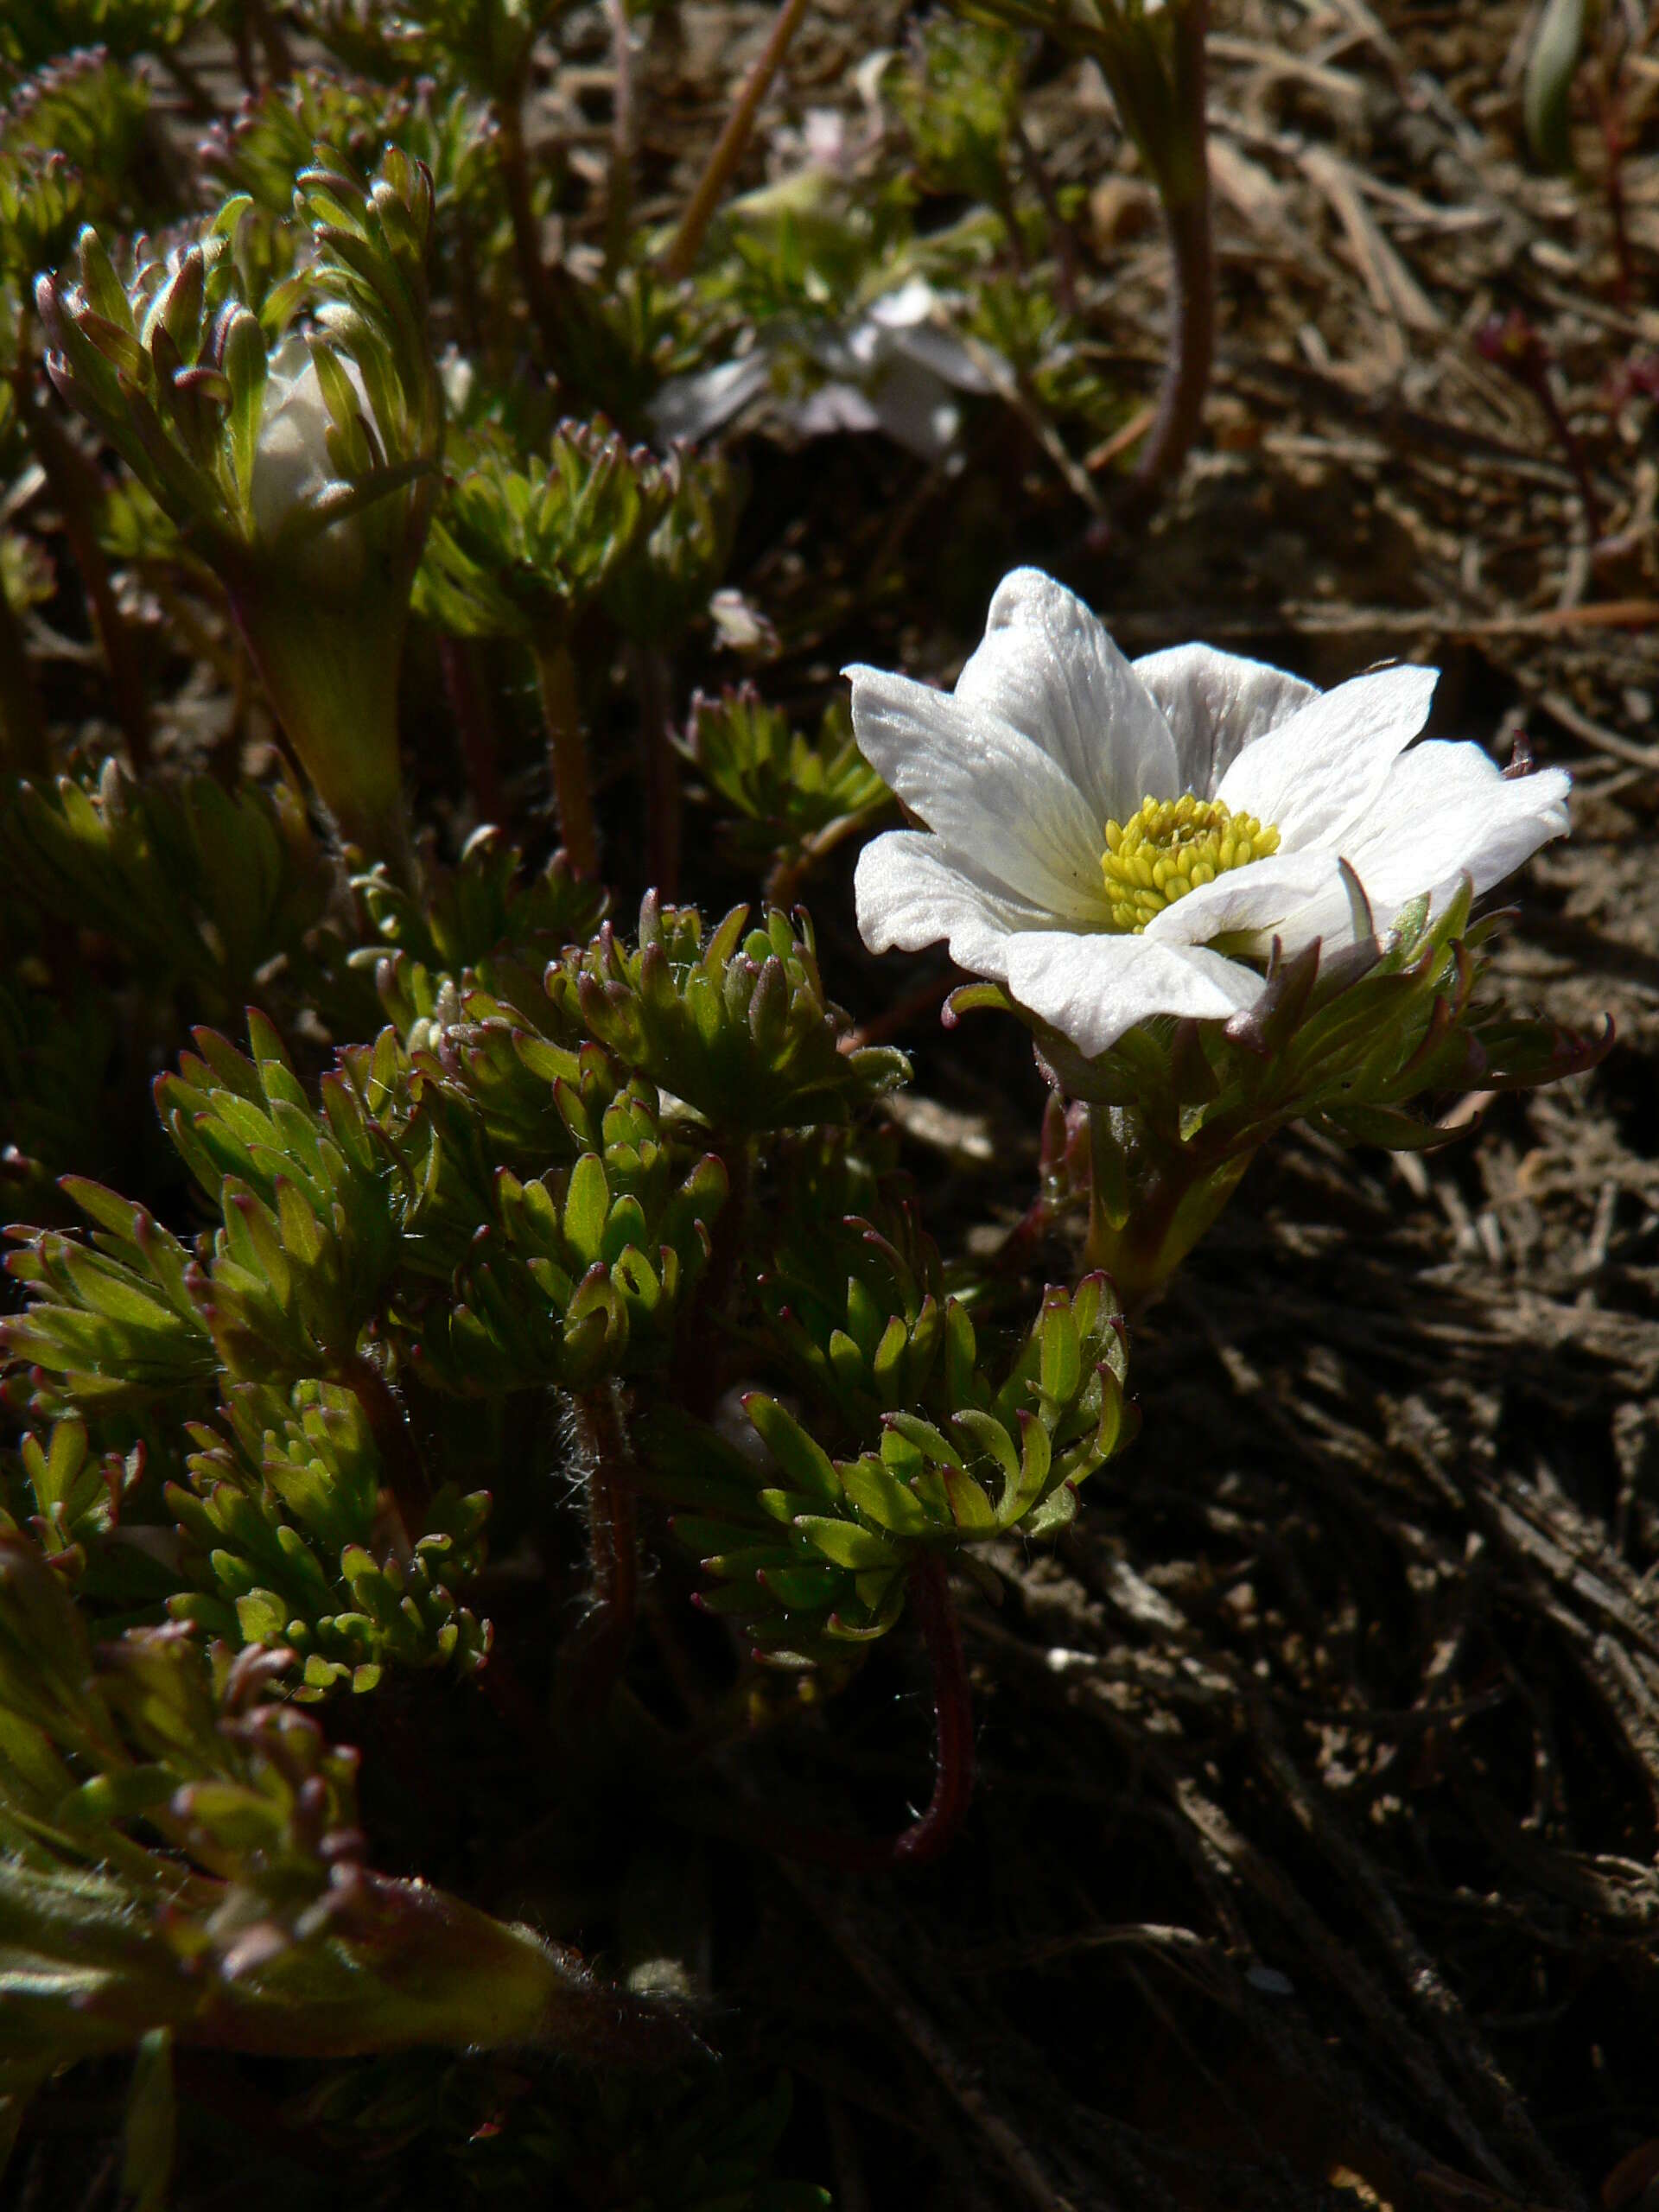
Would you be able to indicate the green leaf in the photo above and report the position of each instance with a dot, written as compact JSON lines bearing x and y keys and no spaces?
{"x":803,"y":1459}
{"x":846,"y":1544}
{"x":586,"y":1203}
{"x":1551,"y":67}
{"x":151,"y":2125}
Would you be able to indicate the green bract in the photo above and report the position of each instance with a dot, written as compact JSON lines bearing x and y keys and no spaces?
{"x":1179,"y":1109}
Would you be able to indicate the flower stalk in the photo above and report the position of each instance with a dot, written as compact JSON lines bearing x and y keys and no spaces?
{"x":1147,"y":1209}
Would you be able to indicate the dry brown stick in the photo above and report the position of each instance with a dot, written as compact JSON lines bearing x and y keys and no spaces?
{"x":1436,"y":2003}
{"x":955,"y":2076}
{"x":1223,"y":1866}
{"x":1344,"y":1972}
{"x":682,"y":254}
{"x":624,"y":133}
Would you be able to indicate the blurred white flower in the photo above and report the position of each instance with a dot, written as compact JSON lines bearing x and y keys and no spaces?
{"x":895,"y":367}
{"x":1112,"y":841}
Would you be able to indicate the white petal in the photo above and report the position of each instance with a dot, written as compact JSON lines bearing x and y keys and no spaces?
{"x":832,"y":407}
{"x":1446,"y":810}
{"x":1048,"y":666}
{"x":1216,"y":703}
{"x":916,"y":410}
{"x":1091,"y":989}
{"x":909,"y":895}
{"x":1316,"y":774}
{"x":946,"y":355}
{"x":1256,"y":898}
{"x":908,"y":304}
{"x":692,"y":406}
{"x":998,"y":802}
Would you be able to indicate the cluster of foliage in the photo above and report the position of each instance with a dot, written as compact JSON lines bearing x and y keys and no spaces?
{"x":421,"y":1250}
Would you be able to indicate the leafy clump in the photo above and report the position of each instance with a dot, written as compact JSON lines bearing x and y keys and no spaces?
{"x":818,"y":1555}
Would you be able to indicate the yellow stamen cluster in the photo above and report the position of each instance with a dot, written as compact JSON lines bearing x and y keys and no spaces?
{"x":1170,"y":846}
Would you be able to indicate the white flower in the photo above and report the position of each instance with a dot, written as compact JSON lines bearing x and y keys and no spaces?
{"x":1046,"y":869}
{"x":291,"y":465}
{"x":895,"y":368}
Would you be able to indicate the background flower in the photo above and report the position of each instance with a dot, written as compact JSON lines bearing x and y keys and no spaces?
{"x":1051,"y":734}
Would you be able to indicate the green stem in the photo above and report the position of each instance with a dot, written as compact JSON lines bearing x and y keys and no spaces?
{"x":555,"y":675}
{"x":1150,"y":1204}
{"x":681,"y":255}
{"x":331,"y":671}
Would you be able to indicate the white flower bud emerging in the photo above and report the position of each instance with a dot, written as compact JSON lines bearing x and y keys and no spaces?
{"x":292,"y":469}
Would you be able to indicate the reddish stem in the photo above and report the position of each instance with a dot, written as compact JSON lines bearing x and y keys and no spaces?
{"x":400,"y":1459}
{"x":470,"y":705}
{"x":953,"y":1712}
{"x":600,"y":1645}
{"x":928,"y":1837}
{"x":556,"y":674}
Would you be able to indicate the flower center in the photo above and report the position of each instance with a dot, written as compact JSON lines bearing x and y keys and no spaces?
{"x":1170,"y":846}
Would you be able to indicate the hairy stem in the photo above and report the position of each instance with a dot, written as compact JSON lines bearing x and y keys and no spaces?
{"x":601,"y":1646}
{"x":556,"y":675}
{"x":681,"y":255}
{"x":928,"y":1837}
